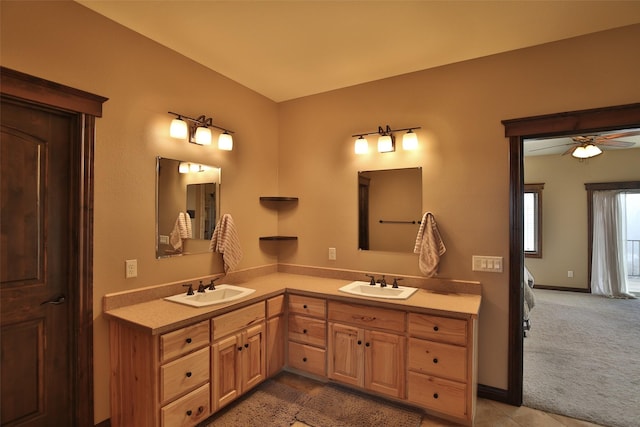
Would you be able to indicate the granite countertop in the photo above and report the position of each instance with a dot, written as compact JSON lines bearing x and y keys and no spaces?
{"x":158,"y":316}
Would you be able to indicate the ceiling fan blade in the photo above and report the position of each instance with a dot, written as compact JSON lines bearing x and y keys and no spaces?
{"x":571,"y":150}
{"x":617,"y":135}
{"x":553,"y":146}
{"x":615,"y":143}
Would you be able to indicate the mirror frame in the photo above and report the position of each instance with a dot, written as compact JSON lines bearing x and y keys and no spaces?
{"x":193,"y":246}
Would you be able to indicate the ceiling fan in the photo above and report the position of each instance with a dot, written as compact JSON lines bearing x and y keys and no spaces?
{"x":586,"y":146}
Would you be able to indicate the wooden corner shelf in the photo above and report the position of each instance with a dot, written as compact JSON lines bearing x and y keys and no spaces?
{"x":274,"y":238}
{"x":278,"y":199}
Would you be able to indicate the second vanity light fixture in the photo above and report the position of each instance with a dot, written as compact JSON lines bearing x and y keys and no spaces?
{"x":387,"y":140}
{"x":198,"y":132}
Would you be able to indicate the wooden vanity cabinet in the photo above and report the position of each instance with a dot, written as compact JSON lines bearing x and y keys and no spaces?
{"x":275,"y":324}
{"x":442,"y":365}
{"x":367,"y":347}
{"x":159,"y":380}
{"x":238,"y":361}
{"x":307,"y":334}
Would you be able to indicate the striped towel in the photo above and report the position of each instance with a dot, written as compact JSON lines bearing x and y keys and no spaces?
{"x":181,"y":230}
{"x":429,"y":245}
{"x":225,"y":241}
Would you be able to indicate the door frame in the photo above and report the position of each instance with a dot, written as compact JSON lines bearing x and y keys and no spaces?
{"x":567,"y":123}
{"x":86,"y":107}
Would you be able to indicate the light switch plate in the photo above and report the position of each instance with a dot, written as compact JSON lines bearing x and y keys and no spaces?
{"x":491,"y":264}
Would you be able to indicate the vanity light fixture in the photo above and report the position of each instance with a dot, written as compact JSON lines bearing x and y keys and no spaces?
{"x":198,"y":131}
{"x":386,"y":140}
{"x":586,"y":151}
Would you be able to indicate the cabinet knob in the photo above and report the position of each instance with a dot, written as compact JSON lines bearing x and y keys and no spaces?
{"x":200,"y":409}
{"x":189,"y":374}
{"x":188,"y":340}
{"x":304,"y":359}
{"x":435,"y":395}
{"x":304,"y":306}
{"x":367,"y":344}
{"x":246,"y":345}
{"x":189,"y":412}
{"x":435,"y":360}
{"x":239,"y":348}
{"x":359,"y":342}
{"x":435,"y":328}
{"x":304,"y":331}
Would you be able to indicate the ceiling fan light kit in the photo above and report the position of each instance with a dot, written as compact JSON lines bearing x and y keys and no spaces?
{"x":587,"y":146}
{"x":586,"y":151}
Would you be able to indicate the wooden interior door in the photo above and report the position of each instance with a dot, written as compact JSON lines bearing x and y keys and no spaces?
{"x":35,"y":265}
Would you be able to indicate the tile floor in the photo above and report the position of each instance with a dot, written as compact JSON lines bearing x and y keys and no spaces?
{"x":488,"y":412}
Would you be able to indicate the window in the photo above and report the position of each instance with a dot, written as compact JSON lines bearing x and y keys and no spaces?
{"x":533,"y":220}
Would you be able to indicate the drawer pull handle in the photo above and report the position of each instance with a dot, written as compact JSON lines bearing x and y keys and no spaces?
{"x":189,"y":374}
{"x":435,"y":395}
{"x":435,"y":360}
{"x":188,"y":340}
{"x":304,"y":359}
{"x":189,"y":412}
{"x":304,"y":331}
{"x":435,"y":328}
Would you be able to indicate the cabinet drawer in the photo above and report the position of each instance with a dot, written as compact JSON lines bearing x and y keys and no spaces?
{"x":182,"y":341}
{"x":184,"y":374}
{"x":438,"y":328}
{"x":308,"y":330}
{"x":367,"y":316}
{"x":275,"y":306}
{"x":447,"y":397}
{"x":442,"y":360}
{"x":307,"y":358}
{"x":309,"y":306}
{"x":238,"y":319}
{"x":189,"y":410}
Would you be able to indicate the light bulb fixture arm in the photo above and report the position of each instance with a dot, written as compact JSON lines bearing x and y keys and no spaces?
{"x":384,"y":131}
{"x":201,"y":121}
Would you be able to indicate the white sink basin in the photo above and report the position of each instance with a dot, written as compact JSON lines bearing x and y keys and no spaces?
{"x":364,"y":289}
{"x":222,"y":294}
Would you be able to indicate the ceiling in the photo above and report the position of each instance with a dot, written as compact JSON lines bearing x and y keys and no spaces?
{"x":290,"y":49}
{"x":558,"y":146}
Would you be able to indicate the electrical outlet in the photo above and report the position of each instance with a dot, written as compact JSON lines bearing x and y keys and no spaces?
{"x":164,"y":240}
{"x":332,"y":254}
{"x":131,"y":268}
{"x":570,"y":273}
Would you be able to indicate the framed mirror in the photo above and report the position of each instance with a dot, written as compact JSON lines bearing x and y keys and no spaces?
{"x":389,"y":209}
{"x":187,"y":206}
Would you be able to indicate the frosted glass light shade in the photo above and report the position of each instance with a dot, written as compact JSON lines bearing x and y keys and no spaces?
{"x":225,"y":142}
{"x":385,"y":144}
{"x":362,"y":146}
{"x":178,"y":129}
{"x":409,"y":141}
{"x":183,"y":167}
{"x":585,"y":152}
{"x":203,"y":136}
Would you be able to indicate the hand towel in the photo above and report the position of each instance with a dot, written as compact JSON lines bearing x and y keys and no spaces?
{"x":181,"y":230}
{"x":225,"y":241}
{"x":429,"y":245}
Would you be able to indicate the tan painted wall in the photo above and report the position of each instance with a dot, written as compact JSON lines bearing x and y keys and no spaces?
{"x":303,"y":148}
{"x":564,"y":210}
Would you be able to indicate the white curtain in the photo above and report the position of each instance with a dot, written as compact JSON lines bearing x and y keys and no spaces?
{"x":608,"y":267}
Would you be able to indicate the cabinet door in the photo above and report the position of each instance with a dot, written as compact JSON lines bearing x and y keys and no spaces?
{"x":253,"y":357}
{"x":346,"y":363}
{"x":384,"y":356}
{"x":225,"y":369}
{"x":275,"y":345}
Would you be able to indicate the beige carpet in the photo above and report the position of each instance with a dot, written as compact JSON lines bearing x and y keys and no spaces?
{"x":273,"y":404}
{"x":582,"y":358}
